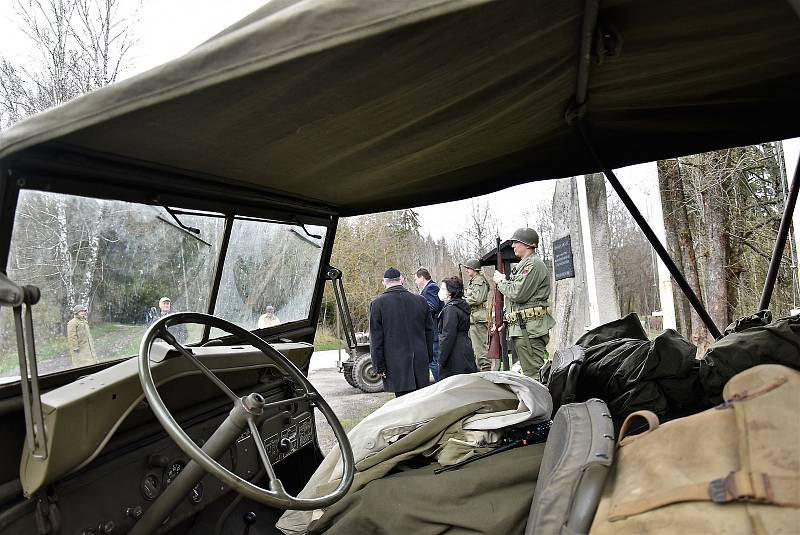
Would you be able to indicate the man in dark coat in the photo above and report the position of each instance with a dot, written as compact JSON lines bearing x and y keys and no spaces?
{"x":430,"y":291}
{"x":400,"y":336}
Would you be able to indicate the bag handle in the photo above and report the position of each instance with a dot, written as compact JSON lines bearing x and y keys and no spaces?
{"x":648,"y":416}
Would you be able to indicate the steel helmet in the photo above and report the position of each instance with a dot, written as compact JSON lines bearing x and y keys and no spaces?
{"x":473,"y":263}
{"x":528,"y":236}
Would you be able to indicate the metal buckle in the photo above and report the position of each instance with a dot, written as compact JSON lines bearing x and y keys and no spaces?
{"x":724,"y":490}
{"x":718,"y":490}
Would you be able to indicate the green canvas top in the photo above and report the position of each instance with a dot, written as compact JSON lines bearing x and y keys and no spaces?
{"x":362,"y":105}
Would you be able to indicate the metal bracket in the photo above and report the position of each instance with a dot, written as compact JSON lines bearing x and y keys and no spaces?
{"x":16,"y":296}
{"x":335,"y":276}
{"x":607,"y":41}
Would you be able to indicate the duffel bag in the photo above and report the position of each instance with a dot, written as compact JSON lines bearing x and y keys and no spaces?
{"x":734,"y":468}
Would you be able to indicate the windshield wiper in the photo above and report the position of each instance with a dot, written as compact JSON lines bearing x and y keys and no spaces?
{"x":191,"y":231}
{"x":303,"y":238}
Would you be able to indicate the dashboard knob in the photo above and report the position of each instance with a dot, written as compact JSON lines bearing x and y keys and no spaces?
{"x":285,"y":445}
{"x":249,"y":519}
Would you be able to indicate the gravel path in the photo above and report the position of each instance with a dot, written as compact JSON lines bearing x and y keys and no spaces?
{"x":350,"y":404}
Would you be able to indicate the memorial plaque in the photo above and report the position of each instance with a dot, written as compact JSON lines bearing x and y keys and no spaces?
{"x":562,"y":258}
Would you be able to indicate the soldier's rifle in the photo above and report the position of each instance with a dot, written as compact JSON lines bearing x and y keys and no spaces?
{"x":496,"y":320}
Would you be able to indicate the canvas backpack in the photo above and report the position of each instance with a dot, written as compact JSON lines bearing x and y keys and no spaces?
{"x":734,"y":468}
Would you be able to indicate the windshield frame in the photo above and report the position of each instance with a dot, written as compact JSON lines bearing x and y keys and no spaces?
{"x":83,"y":175}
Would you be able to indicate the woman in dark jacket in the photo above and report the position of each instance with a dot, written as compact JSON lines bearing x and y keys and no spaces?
{"x":455,"y":349}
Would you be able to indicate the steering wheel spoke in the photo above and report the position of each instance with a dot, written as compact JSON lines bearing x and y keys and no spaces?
{"x":288,"y":401}
{"x":262,"y":451}
{"x":211,"y":375}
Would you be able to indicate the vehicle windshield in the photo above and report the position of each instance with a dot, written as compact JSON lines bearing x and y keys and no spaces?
{"x":108,"y":269}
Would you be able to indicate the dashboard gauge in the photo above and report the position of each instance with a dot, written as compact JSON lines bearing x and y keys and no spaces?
{"x":196,"y":494}
{"x":151,"y":487}
{"x":172,"y":471}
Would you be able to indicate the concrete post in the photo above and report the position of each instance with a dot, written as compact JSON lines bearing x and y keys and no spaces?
{"x":605,"y":286}
{"x":590,"y":298}
{"x":791,"y":153}
{"x":570,"y":309}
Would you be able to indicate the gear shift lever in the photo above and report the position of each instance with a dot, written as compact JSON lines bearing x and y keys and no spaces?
{"x":249,"y":519}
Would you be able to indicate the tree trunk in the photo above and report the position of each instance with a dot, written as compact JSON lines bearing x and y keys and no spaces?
{"x":668,"y":175}
{"x":699,"y":332}
{"x":715,"y":173}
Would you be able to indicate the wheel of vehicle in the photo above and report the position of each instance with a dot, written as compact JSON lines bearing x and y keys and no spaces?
{"x":246,"y":414}
{"x":365,"y":376}
{"x":347,"y":371}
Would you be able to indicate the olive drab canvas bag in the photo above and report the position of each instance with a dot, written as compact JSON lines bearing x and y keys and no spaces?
{"x":734,"y":468}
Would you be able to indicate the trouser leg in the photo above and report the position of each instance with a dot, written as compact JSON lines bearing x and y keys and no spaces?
{"x":433,"y":365}
{"x":478,"y":335}
{"x":494,"y":364}
{"x":532,"y":353}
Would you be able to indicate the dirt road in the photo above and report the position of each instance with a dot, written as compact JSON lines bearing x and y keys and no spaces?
{"x":350,"y":404}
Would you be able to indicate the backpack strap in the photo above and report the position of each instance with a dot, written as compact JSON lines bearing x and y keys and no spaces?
{"x":751,"y":487}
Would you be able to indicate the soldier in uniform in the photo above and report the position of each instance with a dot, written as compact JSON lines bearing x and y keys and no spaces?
{"x":476,"y":295}
{"x":79,"y":339}
{"x":526,"y":294}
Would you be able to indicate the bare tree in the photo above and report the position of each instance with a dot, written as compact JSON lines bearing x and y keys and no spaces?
{"x":480,"y":232}
{"x":725,"y":206}
{"x":104,"y":36}
{"x":632,"y":262}
{"x":682,"y":246}
{"x":80,"y":45}
{"x":540,"y":218}
{"x":366,"y":245}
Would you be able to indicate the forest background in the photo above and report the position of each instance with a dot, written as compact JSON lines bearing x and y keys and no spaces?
{"x":721,"y":209}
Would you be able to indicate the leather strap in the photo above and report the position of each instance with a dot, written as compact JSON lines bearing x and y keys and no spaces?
{"x":648,"y":416}
{"x":749,"y":487}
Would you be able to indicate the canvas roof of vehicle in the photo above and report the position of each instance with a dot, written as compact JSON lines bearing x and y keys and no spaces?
{"x":357,"y":106}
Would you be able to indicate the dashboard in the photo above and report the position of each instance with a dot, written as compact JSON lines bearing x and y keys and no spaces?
{"x":124,"y":488}
{"x":110,"y":460}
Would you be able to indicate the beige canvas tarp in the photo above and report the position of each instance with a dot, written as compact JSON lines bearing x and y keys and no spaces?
{"x":359,"y":105}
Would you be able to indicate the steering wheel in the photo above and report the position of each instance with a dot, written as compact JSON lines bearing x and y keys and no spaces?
{"x":246,"y":413}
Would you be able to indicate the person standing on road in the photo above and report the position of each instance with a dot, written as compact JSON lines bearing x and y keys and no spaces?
{"x":476,"y":295}
{"x":430,"y":291}
{"x":79,"y":338}
{"x":400,"y":336}
{"x":180,"y":332}
{"x":526,"y":296}
{"x":455,"y":349}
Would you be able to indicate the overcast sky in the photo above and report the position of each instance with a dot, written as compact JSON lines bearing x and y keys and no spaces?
{"x":166,"y":29}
